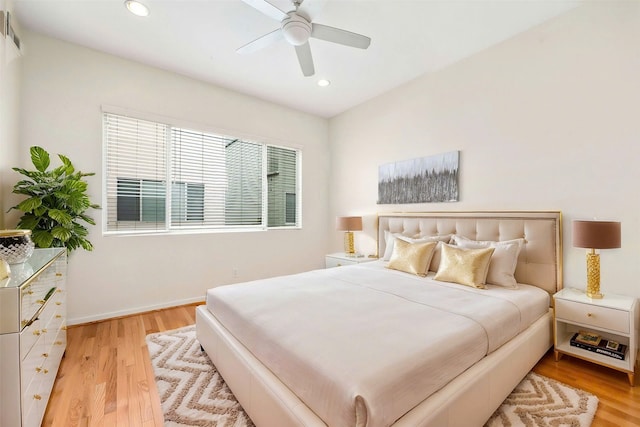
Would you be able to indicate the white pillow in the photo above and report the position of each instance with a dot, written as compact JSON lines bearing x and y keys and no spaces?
{"x":389,"y":239}
{"x":503,"y":261}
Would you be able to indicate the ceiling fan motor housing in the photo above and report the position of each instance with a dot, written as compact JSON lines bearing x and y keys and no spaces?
{"x":296,"y":29}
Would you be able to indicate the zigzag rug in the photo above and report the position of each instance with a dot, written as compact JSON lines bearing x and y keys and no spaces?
{"x":192,"y":392}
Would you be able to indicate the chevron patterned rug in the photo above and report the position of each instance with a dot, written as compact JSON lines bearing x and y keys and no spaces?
{"x":541,"y":401}
{"x":192,"y":393}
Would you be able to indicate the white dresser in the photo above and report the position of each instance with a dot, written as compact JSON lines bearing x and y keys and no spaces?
{"x":33,"y":336}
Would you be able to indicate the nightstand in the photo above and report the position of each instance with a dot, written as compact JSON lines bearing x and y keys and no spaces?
{"x":614,"y":317}
{"x":340,"y":259}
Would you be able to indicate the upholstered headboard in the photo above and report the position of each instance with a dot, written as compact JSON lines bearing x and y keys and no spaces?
{"x":540,"y":260}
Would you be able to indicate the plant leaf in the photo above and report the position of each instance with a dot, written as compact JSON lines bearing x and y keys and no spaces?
{"x":40,"y":211}
{"x":86,"y":245}
{"x":69,"y":169}
{"x":61,"y":233}
{"x":42,"y":238}
{"x":30,"y":204}
{"x":40,"y":158}
{"x":61,"y":216}
{"x":57,"y":172}
{"x":87,"y":218}
{"x":80,"y":230}
{"x":29,"y":174}
{"x":28,"y":222}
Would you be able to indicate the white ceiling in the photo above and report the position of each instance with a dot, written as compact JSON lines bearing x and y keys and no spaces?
{"x":198,"y":38}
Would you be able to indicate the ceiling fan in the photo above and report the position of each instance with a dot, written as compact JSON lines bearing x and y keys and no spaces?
{"x":296,"y":29}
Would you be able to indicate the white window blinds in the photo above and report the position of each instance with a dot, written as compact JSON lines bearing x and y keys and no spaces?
{"x":136,"y":168}
{"x":198,"y":180}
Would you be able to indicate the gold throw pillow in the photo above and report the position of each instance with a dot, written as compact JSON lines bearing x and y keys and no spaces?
{"x":464,"y":266}
{"x":412,"y":258}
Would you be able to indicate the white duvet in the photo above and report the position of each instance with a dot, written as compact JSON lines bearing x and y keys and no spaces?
{"x":362,"y":345}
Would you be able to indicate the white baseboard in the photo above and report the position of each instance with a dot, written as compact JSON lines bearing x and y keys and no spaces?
{"x":103,"y":316}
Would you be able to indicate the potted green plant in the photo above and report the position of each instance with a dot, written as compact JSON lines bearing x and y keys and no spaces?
{"x":56,"y":202}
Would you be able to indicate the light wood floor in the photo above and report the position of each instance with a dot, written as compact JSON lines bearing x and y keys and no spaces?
{"x":106,"y":378}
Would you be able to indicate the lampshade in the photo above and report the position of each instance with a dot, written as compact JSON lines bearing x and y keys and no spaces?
{"x":349,"y":223}
{"x":596,"y":234}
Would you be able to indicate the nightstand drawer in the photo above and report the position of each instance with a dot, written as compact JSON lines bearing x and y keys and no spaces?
{"x":596,"y":316}
{"x":331,"y":262}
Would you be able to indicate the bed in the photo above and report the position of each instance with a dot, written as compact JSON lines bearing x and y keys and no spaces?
{"x":328,"y":371}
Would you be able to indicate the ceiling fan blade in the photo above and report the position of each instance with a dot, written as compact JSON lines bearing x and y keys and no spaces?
{"x":336,"y":35}
{"x":267,"y":8}
{"x":305,"y":59}
{"x":262,"y":42}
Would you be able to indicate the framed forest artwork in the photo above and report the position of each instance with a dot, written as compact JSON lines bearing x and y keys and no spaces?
{"x":423,"y":180}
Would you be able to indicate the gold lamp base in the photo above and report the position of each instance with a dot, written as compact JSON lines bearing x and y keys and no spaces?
{"x":349,"y":247}
{"x":593,"y":275}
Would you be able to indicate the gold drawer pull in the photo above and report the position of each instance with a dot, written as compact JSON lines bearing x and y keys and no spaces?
{"x":24,"y":323}
{"x":64,"y":328}
{"x":58,"y":343}
{"x":58,"y":302}
{"x":37,"y":332}
{"x":37,"y":397}
{"x":45,"y":354}
{"x":58,"y":316}
{"x":59,"y":290}
{"x":589,"y":314}
{"x":29,"y":292}
{"x":58,"y":274}
{"x":45,"y":371}
{"x":38,"y":369}
{"x":41,"y":301}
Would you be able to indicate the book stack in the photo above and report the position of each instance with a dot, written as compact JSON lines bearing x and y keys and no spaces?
{"x":593,"y":342}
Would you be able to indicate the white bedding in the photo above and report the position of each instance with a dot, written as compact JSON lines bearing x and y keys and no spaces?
{"x":357,"y":369}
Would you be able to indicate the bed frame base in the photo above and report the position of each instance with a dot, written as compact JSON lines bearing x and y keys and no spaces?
{"x":468,"y":400}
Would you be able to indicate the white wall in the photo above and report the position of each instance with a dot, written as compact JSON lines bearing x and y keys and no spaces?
{"x":10,"y":69}
{"x":64,"y":86}
{"x":548,"y":120}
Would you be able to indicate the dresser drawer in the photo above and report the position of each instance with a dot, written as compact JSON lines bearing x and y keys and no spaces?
{"x":591,"y":315}
{"x":29,"y":336}
{"x":32,"y":361}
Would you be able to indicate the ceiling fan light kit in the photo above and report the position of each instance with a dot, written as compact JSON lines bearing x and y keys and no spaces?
{"x":296,"y":29}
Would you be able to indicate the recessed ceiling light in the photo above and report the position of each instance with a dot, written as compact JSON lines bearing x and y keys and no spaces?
{"x":323,"y":82}
{"x":136,"y":8}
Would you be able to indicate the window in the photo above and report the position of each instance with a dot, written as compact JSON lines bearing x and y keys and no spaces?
{"x":290,"y":212}
{"x":144,"y":200}
{"x":196,"y":180}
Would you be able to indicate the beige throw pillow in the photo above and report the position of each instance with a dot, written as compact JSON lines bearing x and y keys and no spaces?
{"x":390,"y":239}
{"x":503,"y":261}
{"x":464,"y":266}
{"x":412,"y":258}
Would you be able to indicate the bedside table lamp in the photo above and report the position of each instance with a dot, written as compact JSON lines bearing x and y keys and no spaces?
{"x":349,"y":224}
{"x":595,"y":235}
